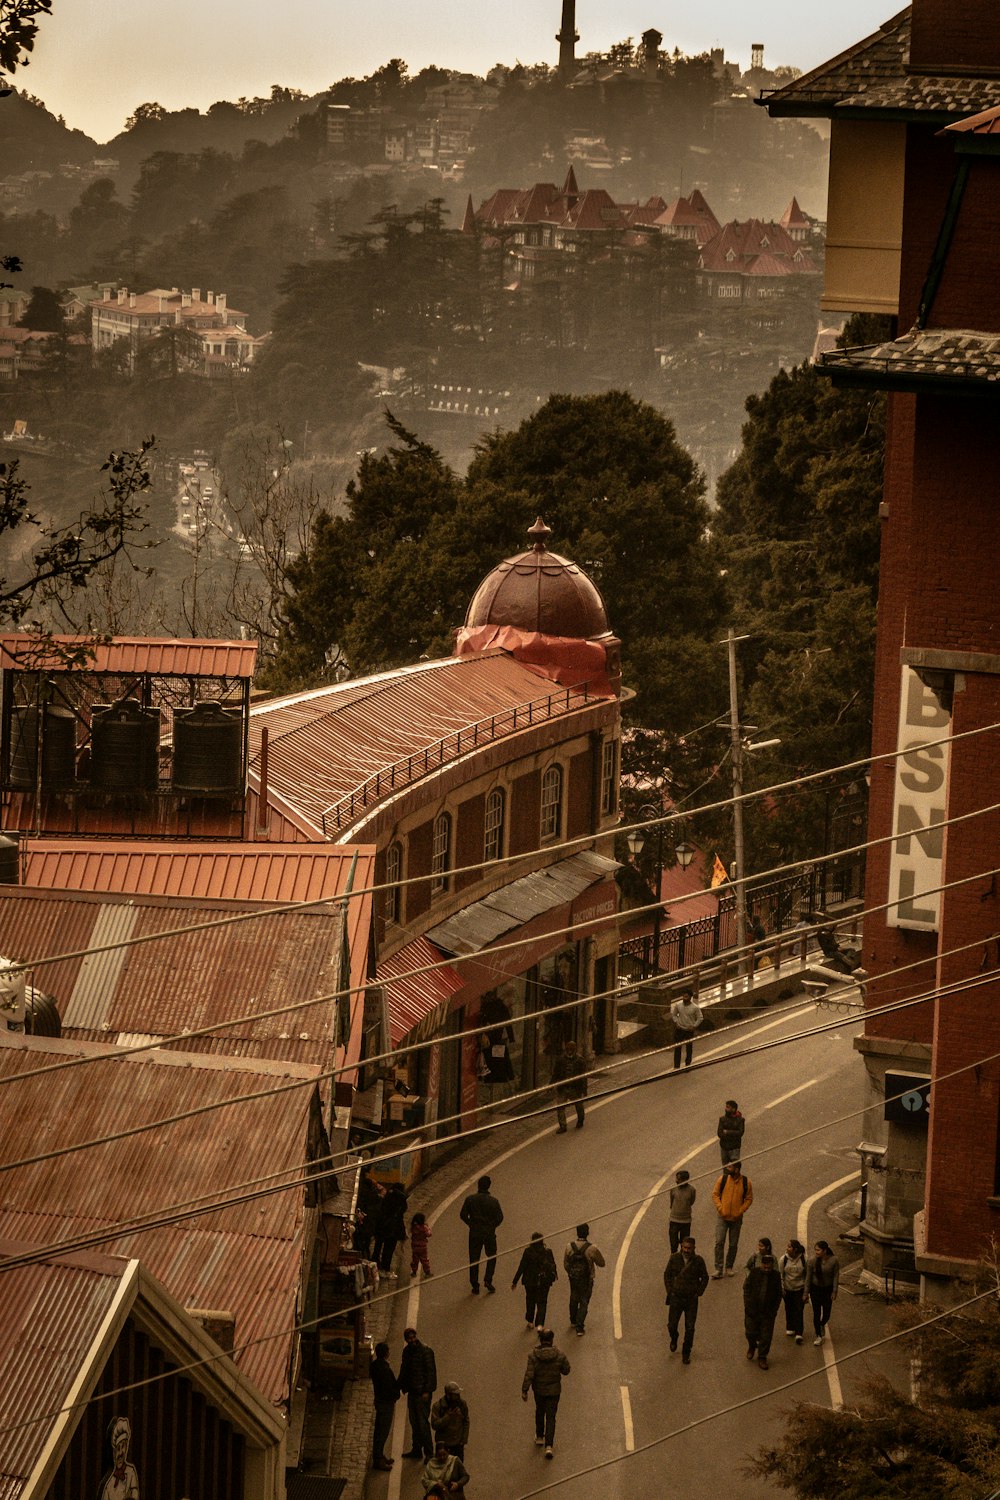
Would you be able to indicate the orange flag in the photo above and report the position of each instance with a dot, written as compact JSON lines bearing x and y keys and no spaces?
{"x":719,"y":873}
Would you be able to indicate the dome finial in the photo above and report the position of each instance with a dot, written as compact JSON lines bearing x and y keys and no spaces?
{"x":541,"y":534}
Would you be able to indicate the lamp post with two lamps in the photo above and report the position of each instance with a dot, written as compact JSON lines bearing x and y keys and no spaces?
{"x":683,"y":855}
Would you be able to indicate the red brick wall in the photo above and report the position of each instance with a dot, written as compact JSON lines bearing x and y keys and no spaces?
{"x":525,"y":812}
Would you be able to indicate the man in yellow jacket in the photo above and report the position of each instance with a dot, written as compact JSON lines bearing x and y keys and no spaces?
{"x":732,"y":1197}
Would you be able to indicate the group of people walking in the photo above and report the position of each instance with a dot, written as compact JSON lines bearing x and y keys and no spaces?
{"x":439,"y":1430}
{"x":768,"y":1283}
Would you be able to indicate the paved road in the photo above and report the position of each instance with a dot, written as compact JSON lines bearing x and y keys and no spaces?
{"x":626,"y":1390}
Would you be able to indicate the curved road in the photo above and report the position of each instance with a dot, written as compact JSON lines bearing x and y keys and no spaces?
{"x":626,"y":1390}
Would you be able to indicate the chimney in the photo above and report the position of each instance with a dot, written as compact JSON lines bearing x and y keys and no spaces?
{"x":210,"y":298}
{"x":185,"y":299}
{"x":177,"y":315}
{"x":196,"y":294}
{"x":131,"y":299}
{"x":220,"y":301}
{"x":122,"y":293}
{"x":756,"y":55}
{"x":567,"y":36}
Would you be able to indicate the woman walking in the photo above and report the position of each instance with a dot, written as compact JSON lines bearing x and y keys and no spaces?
{"x":794,"y":1272}
{"x":536,"y":1271}
{"x":822,"y":1282}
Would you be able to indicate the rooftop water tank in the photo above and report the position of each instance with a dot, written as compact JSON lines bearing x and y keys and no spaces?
{"x":124,"y":739}
{"x":208,"y":750}
{"x":58,"y":747}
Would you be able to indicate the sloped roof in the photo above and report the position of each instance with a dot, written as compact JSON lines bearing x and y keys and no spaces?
{"x":981,"y":126}
{"x":163,"y":988}
{"x":244,"y":1256}
{"x":482,"y":923}
{"x":330,"y":743}
{"x":133,"y":654}
{"x":744,"y":246}
{"x":595,"y":209}
{"x":793,"y":217}
{"x":878,"y":58}
{"x":931,"y":358}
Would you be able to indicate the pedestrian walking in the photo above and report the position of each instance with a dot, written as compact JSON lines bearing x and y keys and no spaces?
{"x":687,"y":1016}
{"x":420,"y":1233}
{"x":685,"y":1278}
{"x":580,"y":1262}
{"x":444,"y":1474}
{"x":418,"y":1381}
{"x":543,"y":1376}
{"x":794,"y":1270}
{"x":822,"y":1285}
{"x":761,"y":1300}
{"x":569,"y":1076}
{"x":732,"y":1197}
{"x":764,"y":1247}
{"x":366,"y":1215}
{"x":536,"y":1271}
{"x":482,"y":1214}
{"x":385,"y":1389}
{"x":730,"y":1132}
{"x":390,"y":1227}
{"x":682,"y":1196}
{"x":450,"y":1420}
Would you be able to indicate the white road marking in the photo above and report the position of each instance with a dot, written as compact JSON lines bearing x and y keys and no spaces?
{"x":627,"y":1415}
{"x":802,"y":1233}
{"x":791,"y":1094}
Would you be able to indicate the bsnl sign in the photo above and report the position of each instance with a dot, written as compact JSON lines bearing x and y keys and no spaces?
{"x":917,"y":855}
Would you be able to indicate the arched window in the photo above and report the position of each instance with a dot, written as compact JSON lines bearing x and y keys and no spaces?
{"x":551,"y":803}
{"x":393,"y":876}
{"x":493,"y":829}
{"x":440,"y":853}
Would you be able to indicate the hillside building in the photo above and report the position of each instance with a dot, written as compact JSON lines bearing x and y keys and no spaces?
{"x":212,"y":338}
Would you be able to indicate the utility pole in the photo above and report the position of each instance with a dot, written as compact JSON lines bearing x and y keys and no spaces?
{"x":738,"y":873}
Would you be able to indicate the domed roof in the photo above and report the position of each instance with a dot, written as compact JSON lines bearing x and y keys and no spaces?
{"x":540,"y":591}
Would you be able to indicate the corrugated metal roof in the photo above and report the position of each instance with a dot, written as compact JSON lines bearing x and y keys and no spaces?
{"x":245,"y":1257}
{"x":325,"y":744}
{"x":484,"y":921}
{"x":131,"y":654}
{"x":52,"y":1315}
{"x":418,"y":1000}
{"x":192,"y":979}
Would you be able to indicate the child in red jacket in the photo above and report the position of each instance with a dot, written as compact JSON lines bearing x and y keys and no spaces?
{"x":419,"y":1235}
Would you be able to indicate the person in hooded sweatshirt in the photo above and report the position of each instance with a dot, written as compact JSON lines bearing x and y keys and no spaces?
{"x":536,"y":1271}
{"x":543,"y":1377}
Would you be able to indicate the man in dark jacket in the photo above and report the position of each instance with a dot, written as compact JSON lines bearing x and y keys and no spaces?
{"x":483,"y":1215}
{"x":730,"y":1132}
{"x":543,"y":1377}
{"x":569,"y":1076}
{"x":761,"y":1300}
{"x":685,"y":1278}
{"x":385,"y":1388}
{"x":450,"y":1419}
{"x":417,"y":1381}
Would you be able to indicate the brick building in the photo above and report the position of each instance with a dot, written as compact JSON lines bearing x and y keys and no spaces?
{"x":913,"y":231}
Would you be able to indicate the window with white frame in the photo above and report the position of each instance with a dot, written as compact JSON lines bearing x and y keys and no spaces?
{"x":551,"y":802}
{"x":609,"y":778}
{"x":493,"y":828}
{"x":440,"y":853}
{"x":393,"y":877}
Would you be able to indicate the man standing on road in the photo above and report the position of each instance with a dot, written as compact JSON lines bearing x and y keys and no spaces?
{"x":682,"y":1196}
{"x":568,"y":1074}
{"x":732,"y":1197}
{"x":543,"y":1377}
{"x":580,"y":1263}
{"x":687,"y":1017}
{"x":385,"y":1388}
{"x":483,"y":1215}
{"x":761,"y":1300}
{"x":450,"y":1420}
{"x":685,"y":1279}
{"x":730,"y":1132}
{"x":417,"y":1381}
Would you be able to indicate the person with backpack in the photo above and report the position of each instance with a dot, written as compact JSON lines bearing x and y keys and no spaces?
{"x":543,"y":1377}
{"x":482,"y":1214}
{"x":730,"y":1132}
{"x":732,"y":1197}
{"x":794,"y":1271}
{"x":685,"y":1278}
{"x":580,"y":1263}
{"x":536,"y":1271}
{"x":569,"y":1074}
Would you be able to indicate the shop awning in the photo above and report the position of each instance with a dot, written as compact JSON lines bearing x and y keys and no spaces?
{"x":482,"y":923}
{"x":417,"y":1004}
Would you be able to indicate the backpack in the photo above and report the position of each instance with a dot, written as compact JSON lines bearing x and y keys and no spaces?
{"x":578,"y":1266}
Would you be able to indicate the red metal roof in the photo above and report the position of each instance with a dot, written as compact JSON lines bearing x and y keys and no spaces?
{"x":159,"y":989}
{"x":323,"y":745}
{"x":134,"y":654}
{"x":245,"y":1257}
{"x":418,"y":998}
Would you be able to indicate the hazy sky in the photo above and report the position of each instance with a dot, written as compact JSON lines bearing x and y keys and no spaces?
{"x":95,"y":60}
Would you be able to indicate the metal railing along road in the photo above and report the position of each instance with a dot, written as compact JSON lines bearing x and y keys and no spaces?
{"x":402,"y":773}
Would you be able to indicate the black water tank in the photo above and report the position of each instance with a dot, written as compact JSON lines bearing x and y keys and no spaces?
{"x":208,"y":750}
{"x":124,"y":747}
{"x":58,"y":752}
{"x":10,"y":861}
{"x":41,"y":1014}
